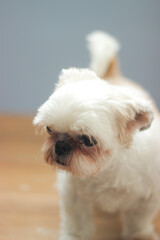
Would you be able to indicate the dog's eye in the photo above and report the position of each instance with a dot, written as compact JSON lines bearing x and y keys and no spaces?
{"x":49,"y":130}
{"x":87,"y":142}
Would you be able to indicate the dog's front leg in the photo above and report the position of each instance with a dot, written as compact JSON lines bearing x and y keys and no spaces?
{"x":137,"y":223}
{"x":76,"y":219}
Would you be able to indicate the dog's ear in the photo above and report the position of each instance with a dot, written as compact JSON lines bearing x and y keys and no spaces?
{"x":42,"y":118}
{"x":39,"y":126}
{"x":73,"y":75}
{"x":131,"y":116}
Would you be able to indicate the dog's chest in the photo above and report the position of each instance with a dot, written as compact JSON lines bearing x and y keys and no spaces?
{"x":112,"y":200}
{"x":109,"y":195}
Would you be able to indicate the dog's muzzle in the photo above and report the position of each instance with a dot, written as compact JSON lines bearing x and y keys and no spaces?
{"x":62,"y":149}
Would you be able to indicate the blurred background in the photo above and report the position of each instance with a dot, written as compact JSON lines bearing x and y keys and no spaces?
{"x":37,"y":39}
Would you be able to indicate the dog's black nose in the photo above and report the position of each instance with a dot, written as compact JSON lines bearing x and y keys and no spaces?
{"x":62,"y":148}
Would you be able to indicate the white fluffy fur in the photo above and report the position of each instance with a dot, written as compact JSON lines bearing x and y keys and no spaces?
{"x":103,"y":48}
{"x":125,"y":179}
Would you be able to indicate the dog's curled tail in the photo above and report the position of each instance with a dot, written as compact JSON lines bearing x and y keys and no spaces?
{"x":103,"y":50}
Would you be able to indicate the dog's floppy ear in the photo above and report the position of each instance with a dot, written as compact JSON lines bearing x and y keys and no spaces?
{"x":131,"y":116}
{"x":43,"y":117}
{"x":39,"y":125}
{"x":73,"y":75}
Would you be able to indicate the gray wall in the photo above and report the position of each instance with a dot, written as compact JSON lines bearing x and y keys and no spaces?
{"x":40,"y":37}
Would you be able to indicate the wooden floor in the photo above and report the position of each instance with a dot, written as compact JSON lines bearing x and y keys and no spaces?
{"x":28,"y":199}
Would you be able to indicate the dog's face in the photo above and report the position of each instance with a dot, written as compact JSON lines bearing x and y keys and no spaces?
{"x":88,"y":121}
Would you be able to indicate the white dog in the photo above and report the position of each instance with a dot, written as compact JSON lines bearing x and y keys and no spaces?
{"x":105,"y":135}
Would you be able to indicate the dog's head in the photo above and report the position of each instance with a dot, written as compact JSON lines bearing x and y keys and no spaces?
{"x":88,"y":121}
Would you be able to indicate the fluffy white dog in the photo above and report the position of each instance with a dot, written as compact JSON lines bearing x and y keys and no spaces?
{"x":105,"y":135}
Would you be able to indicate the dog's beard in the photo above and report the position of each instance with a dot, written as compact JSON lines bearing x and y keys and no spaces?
{"x":84,"y":164}
{"x":80,"y":162}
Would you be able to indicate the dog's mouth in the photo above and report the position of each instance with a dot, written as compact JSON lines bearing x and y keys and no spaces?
{"x":63,"y":161}
{"x":80,"y":161}
{"x":74,"y":153}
